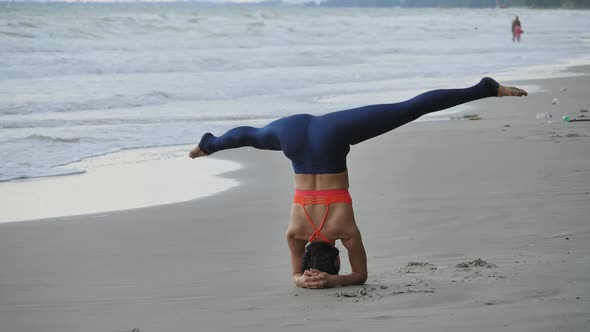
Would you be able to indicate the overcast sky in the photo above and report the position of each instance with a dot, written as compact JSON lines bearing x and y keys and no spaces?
{"x":218,"y":1}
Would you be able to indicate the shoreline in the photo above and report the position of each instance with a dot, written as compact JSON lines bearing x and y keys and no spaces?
{"x":128,"y":179}
{"x":213,"y":167}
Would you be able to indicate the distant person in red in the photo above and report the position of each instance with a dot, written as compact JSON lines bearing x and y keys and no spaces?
{"x":516,"y":30}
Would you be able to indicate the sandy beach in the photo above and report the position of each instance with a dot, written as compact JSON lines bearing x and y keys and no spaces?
{"x":123,"y":180}
{"x":472,"y":225}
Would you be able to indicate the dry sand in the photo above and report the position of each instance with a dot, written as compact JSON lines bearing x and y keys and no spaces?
{"x":472,"y":225}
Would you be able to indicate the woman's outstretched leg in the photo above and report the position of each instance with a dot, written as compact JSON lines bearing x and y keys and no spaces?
{"x":270,"y":137}
{"x":359,"y":124}
{"x":260,"y":138}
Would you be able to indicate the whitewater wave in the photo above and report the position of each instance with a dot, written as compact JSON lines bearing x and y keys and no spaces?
{"x":118,"y":101}
{"x":53,"y":139}
{"x":17,"y":34}
{"x":130,"y":121}
{"x":4,"y":178}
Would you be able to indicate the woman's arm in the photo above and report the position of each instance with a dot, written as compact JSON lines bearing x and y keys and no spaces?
{"x":297,"y":249}
{"x":354,"y":278}
{"x":358,"y":262}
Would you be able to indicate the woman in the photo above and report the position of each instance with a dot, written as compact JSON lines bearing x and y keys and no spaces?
{"x":516,"y":29}
{"x":317,"y":147}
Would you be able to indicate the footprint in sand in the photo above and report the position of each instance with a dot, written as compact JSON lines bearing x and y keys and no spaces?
{"x":418,"y":267}
{"x":554,"y":135}
{"x":373,"y":294}
{"x":478,"y":268}
{"x":475,"y":263}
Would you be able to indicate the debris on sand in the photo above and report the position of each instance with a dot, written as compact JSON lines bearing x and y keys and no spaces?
{"x":466,"y":117}
{"x":475,"y":263}
{"x":423,"y":291}
{"x":540,"y":116}
{"x":471,"y":117}
{"x":359,"y":293}
{"x":423,"y":264}
{"x":570,"y":119}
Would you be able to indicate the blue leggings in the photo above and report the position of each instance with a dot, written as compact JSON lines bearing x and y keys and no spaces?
{"x":320,"y":144}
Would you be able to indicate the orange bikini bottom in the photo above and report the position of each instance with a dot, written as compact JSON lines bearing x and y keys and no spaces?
{"x":324,"y":197}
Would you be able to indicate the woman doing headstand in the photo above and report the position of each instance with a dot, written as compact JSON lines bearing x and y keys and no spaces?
{"x":317,"y":147}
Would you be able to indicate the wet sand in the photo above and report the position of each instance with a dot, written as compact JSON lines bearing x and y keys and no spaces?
{"x":117,"y":181}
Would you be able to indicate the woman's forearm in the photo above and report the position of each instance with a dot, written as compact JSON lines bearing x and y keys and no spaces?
{"x":354,"y":278}
{"x":332,"y":280}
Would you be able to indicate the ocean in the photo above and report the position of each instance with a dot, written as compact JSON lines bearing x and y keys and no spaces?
{"x":79,"y":80}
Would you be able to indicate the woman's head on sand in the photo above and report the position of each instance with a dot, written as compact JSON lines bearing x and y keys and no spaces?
{"x":321,"y":256}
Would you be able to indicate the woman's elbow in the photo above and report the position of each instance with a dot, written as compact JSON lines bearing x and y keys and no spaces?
{"x":361,"y":278}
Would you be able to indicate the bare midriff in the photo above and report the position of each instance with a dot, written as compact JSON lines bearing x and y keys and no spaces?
{"x":339,"y":216}
{"x":321,"y":181}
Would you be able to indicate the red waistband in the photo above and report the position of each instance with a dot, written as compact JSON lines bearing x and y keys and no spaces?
{"x":313,"y":197}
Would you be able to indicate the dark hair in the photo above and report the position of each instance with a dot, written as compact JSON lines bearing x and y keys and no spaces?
{"x":321,"y":256}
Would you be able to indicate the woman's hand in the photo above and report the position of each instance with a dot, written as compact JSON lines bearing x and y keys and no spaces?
{"x":313,"y":278}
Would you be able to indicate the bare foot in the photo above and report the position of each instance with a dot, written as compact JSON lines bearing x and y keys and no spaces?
{"x":510,"y":91}
{"x":196,"y":152}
